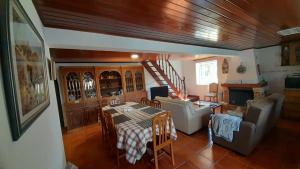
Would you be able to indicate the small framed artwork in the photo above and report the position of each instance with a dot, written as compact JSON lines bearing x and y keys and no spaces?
{"x":225,"y":66}
{"x":24,"y":67}
{"x":285,"y":54}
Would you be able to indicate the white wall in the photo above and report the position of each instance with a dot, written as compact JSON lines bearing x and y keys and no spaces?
{"x":247,"y":57}
{"x":70,"y":39}
{"x":271,"y":69}
{"x":41,"y":146}
{"x":189,"y":72}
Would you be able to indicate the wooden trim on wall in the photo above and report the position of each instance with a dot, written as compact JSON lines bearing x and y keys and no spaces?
{"x":206,"y":59}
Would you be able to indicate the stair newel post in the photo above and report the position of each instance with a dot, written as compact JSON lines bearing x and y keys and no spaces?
{"x":160,"y":62}
{"x":177,"y":82}
{"x":163,"y":62}
{"x":170,"y":70}
{"x":167,"y":66}
{"x":180,"y":84}
{"x":184,"y":88}
{"x":175,"y":78}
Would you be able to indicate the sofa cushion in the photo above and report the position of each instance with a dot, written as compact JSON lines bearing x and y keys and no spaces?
{"x":187,"y":117}
{"x":252,"y":114}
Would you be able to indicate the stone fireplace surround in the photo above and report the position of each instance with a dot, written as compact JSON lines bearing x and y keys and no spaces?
{"x":258,"y":89}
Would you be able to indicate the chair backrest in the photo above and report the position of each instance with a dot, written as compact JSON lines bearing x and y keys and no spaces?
{"x":145,"y":101}
{"x":102,"y":118}
{"x":155,"y":103}
{"x":213,"y":88}
{"x":161,"y":129}
{"x":104,"y":102}
{"x":111,"y":128}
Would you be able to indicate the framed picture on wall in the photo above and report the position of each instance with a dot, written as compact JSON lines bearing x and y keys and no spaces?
{"x":23,"y":67}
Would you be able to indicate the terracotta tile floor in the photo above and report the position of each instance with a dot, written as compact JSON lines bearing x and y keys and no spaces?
{"x":279,"y":150}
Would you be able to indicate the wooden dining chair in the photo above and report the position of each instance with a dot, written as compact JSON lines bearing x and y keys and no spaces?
{"x":103,"y":125}
{"x":145,"y":101}
{"x":155,"y":103}
{"x":212,"y":95}
{"x":104,"y":102}
{"x":161,"y":131}
{"x":112,"y":134}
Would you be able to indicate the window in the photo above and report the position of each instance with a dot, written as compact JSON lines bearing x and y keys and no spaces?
{"x":207,"y":72}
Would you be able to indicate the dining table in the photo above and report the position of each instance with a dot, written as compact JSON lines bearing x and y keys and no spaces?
{"x":133,"y":124}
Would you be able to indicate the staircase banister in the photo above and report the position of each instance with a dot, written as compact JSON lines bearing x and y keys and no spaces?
{"x":173,"y":69}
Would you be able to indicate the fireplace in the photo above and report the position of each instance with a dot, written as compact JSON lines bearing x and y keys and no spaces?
{"x":238,"y":94}
{"x":239,"y":97}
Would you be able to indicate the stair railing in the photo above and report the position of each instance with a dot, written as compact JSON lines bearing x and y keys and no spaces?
{"x":163,"y":62}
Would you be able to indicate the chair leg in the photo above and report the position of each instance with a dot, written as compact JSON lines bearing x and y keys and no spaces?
{"x":103,"y":134}
{"x":172,"y":154}
{"x":118,"y":162}
{"x":155,"y":159}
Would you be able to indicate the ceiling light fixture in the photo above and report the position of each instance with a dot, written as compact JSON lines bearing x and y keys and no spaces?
{"x":290,"y":31}
{"x":134,"y":56}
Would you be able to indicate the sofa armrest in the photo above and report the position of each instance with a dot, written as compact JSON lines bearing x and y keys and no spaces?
{"x":245,"y":138}
{"x":247,"y":129}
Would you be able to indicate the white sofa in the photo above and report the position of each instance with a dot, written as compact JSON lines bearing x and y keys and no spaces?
{"x":187,"y":116}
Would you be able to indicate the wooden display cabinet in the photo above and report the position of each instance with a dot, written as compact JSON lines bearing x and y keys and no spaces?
{"x":85,"y":89}
{"x":291,"y":108}
{"x":290,"y":53}
{"x":80,"y":96}
{"x":134,"y":83}
{"x":109,"y":82}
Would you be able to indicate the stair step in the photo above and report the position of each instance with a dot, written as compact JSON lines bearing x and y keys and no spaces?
{"x":160,"y":75}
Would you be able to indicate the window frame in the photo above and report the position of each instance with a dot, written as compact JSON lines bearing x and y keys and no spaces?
{"x":200,"y":82}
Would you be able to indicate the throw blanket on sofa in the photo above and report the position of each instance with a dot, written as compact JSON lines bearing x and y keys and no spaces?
{"x":224,"y":125}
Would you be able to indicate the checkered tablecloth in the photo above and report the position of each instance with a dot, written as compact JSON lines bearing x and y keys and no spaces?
{"x":136,"y":131}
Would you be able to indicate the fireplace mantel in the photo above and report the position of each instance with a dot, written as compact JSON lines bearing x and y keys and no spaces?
{"x":243,"y":85}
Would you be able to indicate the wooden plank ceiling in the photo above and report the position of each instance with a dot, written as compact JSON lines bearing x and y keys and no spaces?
{"x":230,"y":24}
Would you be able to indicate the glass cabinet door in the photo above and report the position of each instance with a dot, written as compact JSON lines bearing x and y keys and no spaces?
{"x":73,"y":87}
{"x":129,"y":81}
{"x":89,"y":85}
{"x":110,"y":83}
{"x":139,"y":81}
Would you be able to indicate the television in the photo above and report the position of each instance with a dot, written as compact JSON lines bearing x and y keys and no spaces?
{"x":159,"y":91}
{"x":292,"y":81}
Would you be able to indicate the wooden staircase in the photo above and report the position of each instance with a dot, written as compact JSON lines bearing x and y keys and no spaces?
{"x":164,"y":73}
